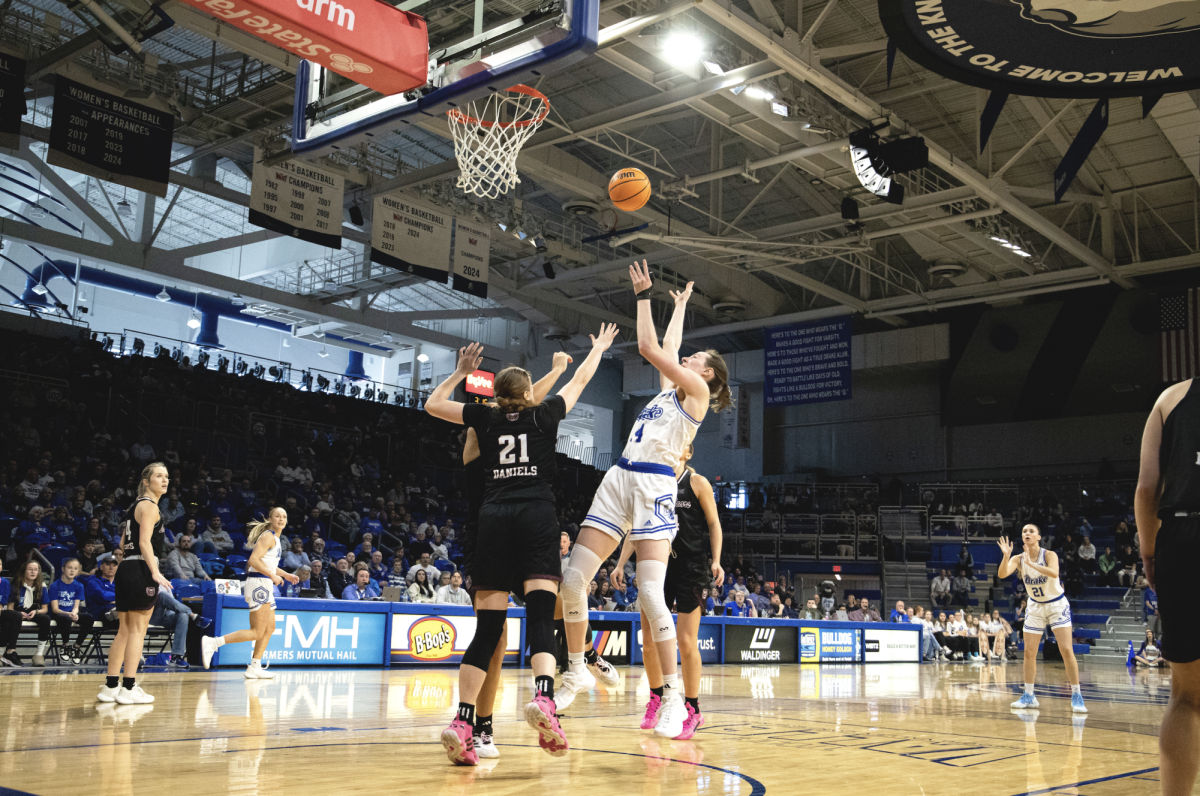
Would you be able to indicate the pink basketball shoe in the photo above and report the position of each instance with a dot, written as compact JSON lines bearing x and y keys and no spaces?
{"x":459,"y":744}
{"x":651,"y":717}
{"x":540,"y":715}
{"x":692,"y":723}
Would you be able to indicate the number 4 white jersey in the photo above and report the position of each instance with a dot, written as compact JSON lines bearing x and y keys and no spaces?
{"x":661,"y":432}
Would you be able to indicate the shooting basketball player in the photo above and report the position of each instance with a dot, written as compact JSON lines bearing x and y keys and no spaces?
{"x":637,"y":497}
{"x":516,"y":547}
{"x":688,"y":575}
{"x":1048,"y":608}
{"x":1167,"y":507}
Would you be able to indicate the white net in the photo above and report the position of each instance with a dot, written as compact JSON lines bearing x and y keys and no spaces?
{"x":489,"y":134}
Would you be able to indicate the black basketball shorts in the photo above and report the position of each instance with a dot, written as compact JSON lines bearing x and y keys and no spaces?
{"x":686,"y":581}
{"x":516,"y":542}
{"x":1176,"y":551}
{"x":135,"y":586}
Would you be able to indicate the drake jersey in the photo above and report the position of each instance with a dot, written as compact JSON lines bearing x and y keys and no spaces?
{"x":661,"y":432}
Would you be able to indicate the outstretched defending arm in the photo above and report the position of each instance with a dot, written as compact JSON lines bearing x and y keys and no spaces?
{"x":583,"y":374}
{"x":439,"y":404}
{"x":543,"y":386}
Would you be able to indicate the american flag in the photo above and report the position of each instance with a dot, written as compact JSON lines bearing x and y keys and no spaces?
{"x":1180,"y":336}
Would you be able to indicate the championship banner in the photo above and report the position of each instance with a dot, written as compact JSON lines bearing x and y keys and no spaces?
{"x":110,"y":138}
{"x":371,"y":43}
{"x":472,"y":249}
{"x":428,"y":639}
{"x":807,"y":362}
{"x":1052,"y":48}
{"x":297,"y":200}
{"x":411,"y":237}
{"x":12,"y":100}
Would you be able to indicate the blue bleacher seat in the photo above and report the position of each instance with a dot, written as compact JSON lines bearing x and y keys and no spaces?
{"x":236,"y":561}
{"x":178,"y":583}
{"x":55,"y":555}
{"x":207,"y":556}
{"x":444,"y":566}
{"x":208,"y":587}
{"x":214,"y":567}
{"x":186,"y":591}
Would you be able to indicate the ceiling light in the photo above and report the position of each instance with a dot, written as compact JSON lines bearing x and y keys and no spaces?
{"x":759,"y":93}
{"x":779,"y":109}
{"x":737,"y":90}
{"x":124,"y":208}
{"x":713,"y":67}
{"x":322,"y":352}
{"x":193,"y":322}
{"x":319,"y":334}
{"x":40,"y":289}
{"x":237,"y":300}
{"x":422,"y":357}
{"x":36,"y":210}
{"x":330,"y":285}
{"x":163,"y":295}
{"x":682,"y":47}
{"x":286,"y":344}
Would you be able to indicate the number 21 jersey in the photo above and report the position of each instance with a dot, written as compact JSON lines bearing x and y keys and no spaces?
{"x":517,"y":449}
{"x":661,"y":432}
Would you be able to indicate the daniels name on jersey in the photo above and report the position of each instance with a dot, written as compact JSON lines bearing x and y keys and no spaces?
{"x":513,"y":472}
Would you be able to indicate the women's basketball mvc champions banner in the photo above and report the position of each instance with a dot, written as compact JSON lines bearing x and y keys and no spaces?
{"x":368,"y":41}
{"x":1053,"y":48}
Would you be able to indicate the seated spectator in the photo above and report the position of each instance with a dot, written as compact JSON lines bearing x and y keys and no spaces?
{"x":420,"y":591}
{"x":604,"y":594}
{"x":283,"y":473}
{"x":62,"y":529}
{"x":432,"y":573}
{"x":625,"y":595}
{"x":362,"y":588}
{"x":811,"y":612}
{"x":851,"y":602}
{"x":170,"y":508}
{"x":67,"y":601}
{"x":1087,"y":555}
{"x":958,"y":637}
{"x":1107,"y":565}
{"x":351,"y":560}
{"x":453,"y":593}
{"x":777,"y":610}
{"x":366,"y":547}
{"x":378,"y":570}
{"x":318,"y":580}
{"x":594,"y":603}
{"x":141,"y":452}
{"x":760,"y":600}
{"x":101,"y":592}
{"x":1128,"y":560}
{"x":302,"y":472}
{"x":440,"y":553}
{"x":899,"y":614}
{"x":740,"y":606}
{"x":88,"y":560}
{"x":318,"y":553}
{"x":29,"y":601}
{"x":340,"y":578}
{"x":223,"y":507}
{"x":304,"y":581}
{"x":372,"y":524}
{"x":961,"y":589}
{"x":216,"y":535}
{"x":395,"y":576}
{"x":182,"y":564}
{"x":939,"y":590}
{"x":176,"y":616}
{"x":295,"y":557}
{"x":448,"y":531}
{"x":314,"y":526}
{"x":865,"y":613}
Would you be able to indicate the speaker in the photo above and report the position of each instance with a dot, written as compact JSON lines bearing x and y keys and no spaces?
{"x":1003,"y":337}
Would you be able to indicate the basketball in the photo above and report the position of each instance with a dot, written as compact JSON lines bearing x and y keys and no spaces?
{"x":629,"y":189}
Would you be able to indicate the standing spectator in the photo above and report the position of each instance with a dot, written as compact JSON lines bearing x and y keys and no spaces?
{"x":67,"y":600}
{"x":1087,"y":555}
{"x":218,"y":537}
{"x":420,"y":590}
{"x":28,"y":599}
{"x":182,"y":564}
{"x":453,"y":594}
{"x":939,"y":590}
{"x":295,"y":557}
{"x":961,"y":588}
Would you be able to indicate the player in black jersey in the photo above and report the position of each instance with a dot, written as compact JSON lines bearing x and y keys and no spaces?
{"x":1167,"y":508}
{"x":690,"y":571}
{"x":473,"y":490}
{"x":137,"y":583}
{"x":516,"y":547}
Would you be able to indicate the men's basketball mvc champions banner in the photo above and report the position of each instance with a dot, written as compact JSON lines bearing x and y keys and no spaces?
{"x":368,"y":41}
{"x":12,"y":99}
{"x":1053,"y":48}
{"x":298,"y":200}
{"x":110,"y":138}
{"x":411,"y":237}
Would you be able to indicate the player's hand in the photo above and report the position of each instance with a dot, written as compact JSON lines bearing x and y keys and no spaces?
{"x":278,"y":581}
{"x":718,"y":574}
{"x":617,"y":578}
{"x":469,"y":359}
{"x":1005,"y":545}
{"x":163,"y":581}
{"x":682,"y":296}
{"x":640,"y":274}
{"x":608,"y":333}
{"x":289,"y":577}
{"x":560,"y":360}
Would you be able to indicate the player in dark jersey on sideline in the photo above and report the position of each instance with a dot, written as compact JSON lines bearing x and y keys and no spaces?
{"x":516,"y":546}
{"x":1167,"y":508}
{"x":688,"y":575}
{"x":473,"y":489}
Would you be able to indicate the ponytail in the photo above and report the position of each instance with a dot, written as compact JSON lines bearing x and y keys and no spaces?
{"x":718,"y":386}
{"x":511,"y":385}
{"x":256,"y":528}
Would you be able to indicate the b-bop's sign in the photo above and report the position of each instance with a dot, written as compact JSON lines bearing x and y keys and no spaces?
{"x":1053,"y":48}
{"x":441,"y":639}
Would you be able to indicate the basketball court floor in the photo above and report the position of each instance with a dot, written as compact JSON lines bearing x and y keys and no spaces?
{"x":859,"y":730}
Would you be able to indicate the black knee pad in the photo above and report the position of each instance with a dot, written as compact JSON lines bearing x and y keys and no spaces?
{"x":489,"y":626}
{"x":539,"y":621}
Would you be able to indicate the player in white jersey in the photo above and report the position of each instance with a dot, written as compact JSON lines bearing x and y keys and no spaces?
{"x":1048,"y":608}
{"x":637,"y":497}
{"x":262,"y":575}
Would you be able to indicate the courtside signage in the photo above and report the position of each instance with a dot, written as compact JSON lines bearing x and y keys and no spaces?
{"x":411,"y":237}
{"x":425,"y":640}
{"x":760,"y":644}
{"x":310,"y":638}
{"x":368,"y":41}
{"x":891,"y":646}
{"x":819,"y":645}
{"x":298,"y":200}
{"x":481,"y":382}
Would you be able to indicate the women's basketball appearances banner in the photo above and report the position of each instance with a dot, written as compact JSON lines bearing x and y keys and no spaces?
{"x":1053,"y":48}
{"x":368,"y":41}
{"x":298,"y":200}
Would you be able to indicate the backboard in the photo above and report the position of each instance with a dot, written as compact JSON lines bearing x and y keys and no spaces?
{"x":476,"y":47}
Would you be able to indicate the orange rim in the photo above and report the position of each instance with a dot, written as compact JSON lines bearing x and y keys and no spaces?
{"x":458,"y":116}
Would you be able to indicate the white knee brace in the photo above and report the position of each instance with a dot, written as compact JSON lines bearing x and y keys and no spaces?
{"x":651,"y":577}
{"x":579,"y":572}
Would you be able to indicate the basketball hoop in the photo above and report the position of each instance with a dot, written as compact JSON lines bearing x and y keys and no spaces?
{"x":486,"y":145}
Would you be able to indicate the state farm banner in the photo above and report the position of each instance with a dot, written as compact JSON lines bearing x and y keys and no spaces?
{"x":472,"y":249}
{"x":411,"y":237}
{"x":297,"y":200}
{"x":368,"y":41}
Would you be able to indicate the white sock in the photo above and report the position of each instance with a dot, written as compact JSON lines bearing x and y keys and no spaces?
{"x":256,"y":661}
{"x":576,"y":662}
{"x":1029,"y":688}
{"x":671,"y":681}
{"x":218,"y":642}
{"x":41,"y":647}
{"x":1074,"y":689}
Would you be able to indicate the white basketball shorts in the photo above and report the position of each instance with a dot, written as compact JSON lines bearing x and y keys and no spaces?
{"x":638,"y":499}
{"x":258,"y":592}
{"x":1054,"y":614}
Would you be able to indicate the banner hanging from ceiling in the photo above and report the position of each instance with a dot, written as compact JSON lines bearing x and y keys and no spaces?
{"x":297,"y":200}
{"x":411,"y":237}
{"x":472,"y":250}
{"x":1053,"y":48}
